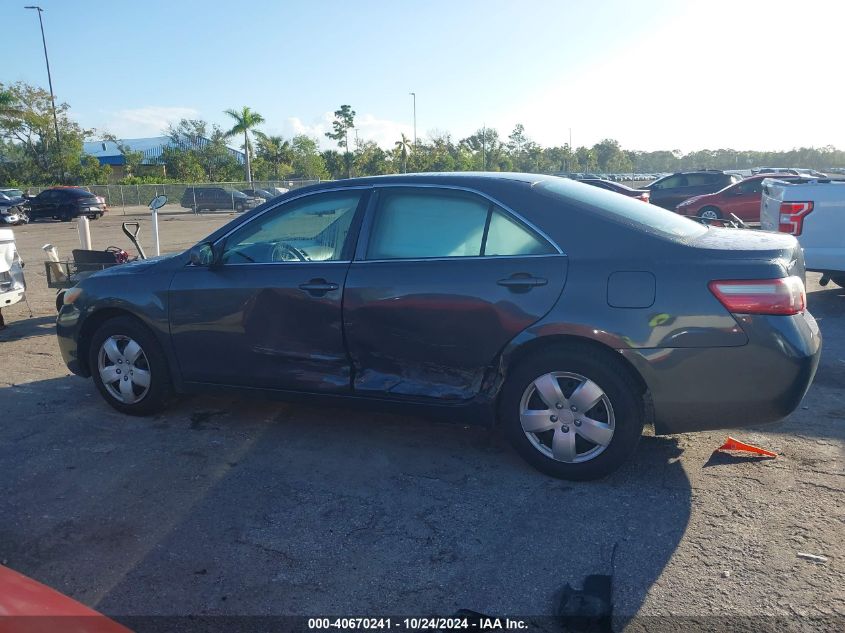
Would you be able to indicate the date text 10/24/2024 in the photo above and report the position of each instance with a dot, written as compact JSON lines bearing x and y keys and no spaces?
{"x":480,"y":623}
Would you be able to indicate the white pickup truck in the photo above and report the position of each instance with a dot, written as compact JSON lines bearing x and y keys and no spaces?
{"x":814,"y":212}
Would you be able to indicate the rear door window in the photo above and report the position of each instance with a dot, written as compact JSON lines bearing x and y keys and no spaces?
{"x":422,"y":224}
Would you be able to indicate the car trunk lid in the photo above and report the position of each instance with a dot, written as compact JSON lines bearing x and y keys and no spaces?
{"x":743,"y":244}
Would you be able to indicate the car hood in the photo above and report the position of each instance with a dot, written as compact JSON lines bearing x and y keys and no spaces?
{"x":138,"y":266}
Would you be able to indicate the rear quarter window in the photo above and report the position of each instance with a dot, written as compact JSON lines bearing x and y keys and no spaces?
{"x":623,"y":209}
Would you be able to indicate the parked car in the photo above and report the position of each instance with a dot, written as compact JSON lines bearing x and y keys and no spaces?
{"x":810,"y":173}
{"x":12,"y":193}
{"x":13,"y":211}
{"x":782,"y":171}
{"x":263,"y":194}
{"x":639,"y":194}
{"x":814,"y":212}
{"x":668,"y":192}
{"x":66,"y":203}
{"x":217,"y":198}
{"x":554,"y":308}
{"x":741,"y":199}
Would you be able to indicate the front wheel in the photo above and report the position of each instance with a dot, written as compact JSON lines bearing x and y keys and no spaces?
{"x":572,"y":414}
{"x":129,"y":367}
{"x":710,"y":213}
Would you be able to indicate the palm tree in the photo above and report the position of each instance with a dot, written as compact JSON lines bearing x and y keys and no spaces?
{"x":275,"y":150}
{"x":245,"y":120}
{"x":404,"y":147}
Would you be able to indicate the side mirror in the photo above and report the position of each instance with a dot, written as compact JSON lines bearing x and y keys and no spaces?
{"x":158,"y":202}
{"x":203,"y":255}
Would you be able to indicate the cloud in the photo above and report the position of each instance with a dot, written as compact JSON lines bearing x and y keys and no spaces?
{"x":146,"y":121}
{"x":384,"y":132}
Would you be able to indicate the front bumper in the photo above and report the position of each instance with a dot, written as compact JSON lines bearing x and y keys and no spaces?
{"x":697,"y":389}
{"x":68,"y":330}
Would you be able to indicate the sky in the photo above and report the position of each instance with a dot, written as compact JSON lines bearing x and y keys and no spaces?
{"x":652,"y":74}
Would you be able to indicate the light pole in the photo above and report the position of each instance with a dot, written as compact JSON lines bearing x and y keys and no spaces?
{"x":414,"y":95}
{"x":50,"y":82}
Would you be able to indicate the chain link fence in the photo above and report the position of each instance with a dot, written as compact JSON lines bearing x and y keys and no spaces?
{"x":191,"y":197}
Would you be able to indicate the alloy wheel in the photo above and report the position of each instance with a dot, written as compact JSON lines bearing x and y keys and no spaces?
{"x":567,"y":417}
{"x":124,"y":369}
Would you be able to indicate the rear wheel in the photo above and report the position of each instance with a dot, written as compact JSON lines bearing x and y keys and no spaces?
{"x":572,"y":413}
{"x":129,"y":367}
{"x":710,"y":213}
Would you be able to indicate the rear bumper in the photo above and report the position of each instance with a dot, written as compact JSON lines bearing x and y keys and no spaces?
{"x":697,"y":389}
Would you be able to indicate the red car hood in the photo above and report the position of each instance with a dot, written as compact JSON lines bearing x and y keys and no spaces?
{"x":27,"y":606}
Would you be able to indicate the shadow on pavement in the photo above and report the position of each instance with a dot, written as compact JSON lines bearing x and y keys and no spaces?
{"x":28,"y":327}
{"x":231,"y":507}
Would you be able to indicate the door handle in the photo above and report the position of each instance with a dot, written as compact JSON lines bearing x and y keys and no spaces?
{"x":318,"y":287}
{"x":522,"y":282}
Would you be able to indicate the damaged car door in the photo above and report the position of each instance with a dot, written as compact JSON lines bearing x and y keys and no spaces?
{"x":442,"y":279}
{"x":265,"y":309}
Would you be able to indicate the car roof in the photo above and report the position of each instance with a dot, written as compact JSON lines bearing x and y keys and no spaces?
{"x":464,"y":179}
{"x":77,"y":191}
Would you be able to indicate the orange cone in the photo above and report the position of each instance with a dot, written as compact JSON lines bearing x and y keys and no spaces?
{"x":735,"y":445}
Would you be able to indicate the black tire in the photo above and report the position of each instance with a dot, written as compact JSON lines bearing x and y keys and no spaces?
{"x":239,"y":206}
{"x":160,"y":388}
{"x":705,"y":210}
{"x":839,"y":280}
{"x":60,"y":300}
{"x":620,"y":388}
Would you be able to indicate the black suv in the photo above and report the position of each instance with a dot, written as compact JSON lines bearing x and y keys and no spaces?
{"x":669,"y":191}
{"x":65,"y":204}
{"x":214,"y":198}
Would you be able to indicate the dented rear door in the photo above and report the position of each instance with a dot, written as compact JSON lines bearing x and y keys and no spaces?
{"x":442,"y":280}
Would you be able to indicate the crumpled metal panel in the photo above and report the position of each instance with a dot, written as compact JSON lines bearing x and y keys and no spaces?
{"x":12,"y":281}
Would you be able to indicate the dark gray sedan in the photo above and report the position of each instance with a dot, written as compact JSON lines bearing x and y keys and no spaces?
{"x":567,"y":314}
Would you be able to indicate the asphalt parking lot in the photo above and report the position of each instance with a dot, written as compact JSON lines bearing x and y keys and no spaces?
{"x":227,"y":506}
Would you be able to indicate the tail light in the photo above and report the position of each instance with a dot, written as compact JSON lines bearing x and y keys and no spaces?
{"x":761,"y":296}
{"x":792,"y":216}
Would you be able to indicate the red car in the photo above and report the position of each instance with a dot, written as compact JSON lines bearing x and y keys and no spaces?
{"x":27,"y":606}
{"x":741,"y":199}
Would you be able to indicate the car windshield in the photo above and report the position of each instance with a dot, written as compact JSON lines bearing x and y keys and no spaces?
{"x":12,"y":193}
{"x":625,"y":209}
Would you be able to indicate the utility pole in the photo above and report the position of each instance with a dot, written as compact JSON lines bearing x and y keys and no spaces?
{"x":414,"y":95}
{"x":50,"y":82}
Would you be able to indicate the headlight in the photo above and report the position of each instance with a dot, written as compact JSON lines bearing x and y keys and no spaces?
{"x":71,"y":295}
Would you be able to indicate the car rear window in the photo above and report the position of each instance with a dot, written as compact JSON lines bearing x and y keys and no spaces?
{"x":624,"y":209}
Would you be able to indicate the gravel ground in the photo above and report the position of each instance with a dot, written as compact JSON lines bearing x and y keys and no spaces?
{"x":236,"y":506}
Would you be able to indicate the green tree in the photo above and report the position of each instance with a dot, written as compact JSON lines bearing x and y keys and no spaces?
{"x":371,"y":160}
{"x":245,"y":121}
{"x":403,"y":149}
{"x":307,"y":161}
{"x":26,"y":121}
{"x":277,"y":152}
{"x":344,"y":120}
